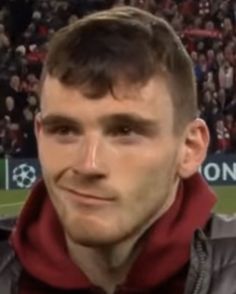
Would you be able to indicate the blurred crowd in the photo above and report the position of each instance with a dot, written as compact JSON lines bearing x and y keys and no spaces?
{"x":207,"y":28}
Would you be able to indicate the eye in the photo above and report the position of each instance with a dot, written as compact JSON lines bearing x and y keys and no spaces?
{"x":62,"y":131}
{"x":122,"y":130}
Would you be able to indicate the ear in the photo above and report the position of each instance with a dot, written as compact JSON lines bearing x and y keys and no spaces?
{"x":37,"y":124}
{"x":194,"y":148}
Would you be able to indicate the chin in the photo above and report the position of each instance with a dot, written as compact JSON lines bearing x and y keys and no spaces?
{"x":94,"y":238}
{"x":93,"y":234}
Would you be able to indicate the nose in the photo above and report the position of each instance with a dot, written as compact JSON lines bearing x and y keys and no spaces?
{"x":91,"y":157}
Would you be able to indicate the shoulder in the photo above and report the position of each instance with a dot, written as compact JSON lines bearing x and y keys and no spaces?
{"x":222,"y":226}
{"x":7,"y":253}
{"x":10,"y":267}
{"x":213,"y":257}
{"x":6,"y":226}
{"x":222,"y":241}
{"x":221,"y":235}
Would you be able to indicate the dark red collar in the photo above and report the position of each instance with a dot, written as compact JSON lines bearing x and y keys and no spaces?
{"x":39,"y":241}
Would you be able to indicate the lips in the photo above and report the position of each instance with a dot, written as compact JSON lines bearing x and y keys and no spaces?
{"x":88,"y":196}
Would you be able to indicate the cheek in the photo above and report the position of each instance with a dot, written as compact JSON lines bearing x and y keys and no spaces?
{"x":152,"y":187}
{"x":53,"y":156}
{"x":146,"y":172}
{"x":140,"y":161}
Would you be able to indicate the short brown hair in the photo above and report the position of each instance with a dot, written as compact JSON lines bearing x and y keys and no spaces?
{"x":125,"y":44}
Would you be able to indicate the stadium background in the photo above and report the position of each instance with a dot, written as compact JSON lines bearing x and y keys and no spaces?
{"x":208,"y":30}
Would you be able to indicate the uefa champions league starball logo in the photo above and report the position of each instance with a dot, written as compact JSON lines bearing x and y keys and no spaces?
{"x":24,"y":175}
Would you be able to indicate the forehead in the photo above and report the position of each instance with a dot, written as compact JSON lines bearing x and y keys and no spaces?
{"x":151,"y":100}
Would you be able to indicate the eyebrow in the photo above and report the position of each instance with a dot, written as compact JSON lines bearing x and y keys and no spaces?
{"x":56,"y":119}
{"x":132,"y":119}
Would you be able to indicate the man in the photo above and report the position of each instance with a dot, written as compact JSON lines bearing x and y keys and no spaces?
{"x":121,"y":203}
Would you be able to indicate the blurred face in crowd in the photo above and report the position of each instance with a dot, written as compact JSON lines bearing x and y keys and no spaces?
{"x":210,"y":55}
{"x":32,"y":78}
{"x":220,"y":58}
{"x":194,"y":56}
{"x":229,"y":119}
{"x":220,"y":125}
{"x":200,"y":46}
{"x":10,"y":103}
{"x":210,"y":84}
{"x":15,"y":81}
{"x":32,"y":100}
{"x":28,"y":115}
{"x":228,"y":24}
{"x":207,"y":97}
{"x":210,"y":25}
{"x":111,"y":165}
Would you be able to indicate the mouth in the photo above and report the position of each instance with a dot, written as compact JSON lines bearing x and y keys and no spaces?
{"x":87,"y":198}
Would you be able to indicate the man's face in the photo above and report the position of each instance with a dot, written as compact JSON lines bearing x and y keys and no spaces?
{"x":110,"y":165}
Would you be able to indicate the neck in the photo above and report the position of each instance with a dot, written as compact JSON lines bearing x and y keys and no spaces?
{"x":108,"y":266}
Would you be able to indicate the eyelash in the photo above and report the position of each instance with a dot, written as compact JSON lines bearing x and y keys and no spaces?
{"x":123,"y":130}
{"x":62,"y":130}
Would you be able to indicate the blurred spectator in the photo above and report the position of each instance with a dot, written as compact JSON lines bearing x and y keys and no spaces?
{"x":11,"y":112}
{"x":207,"y":28}
{"x":223,"y":137}
{"x":226,"y":76}
{"x":16,"y":91}
{"x":28,"y":146}
{"x":4,"y":40}
{"x":31,"y":84}
{"x":10,"y":145}
{"x":2,"y":137}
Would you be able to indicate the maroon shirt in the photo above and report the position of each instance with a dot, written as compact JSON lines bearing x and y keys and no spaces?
{"x":161,"y":266}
